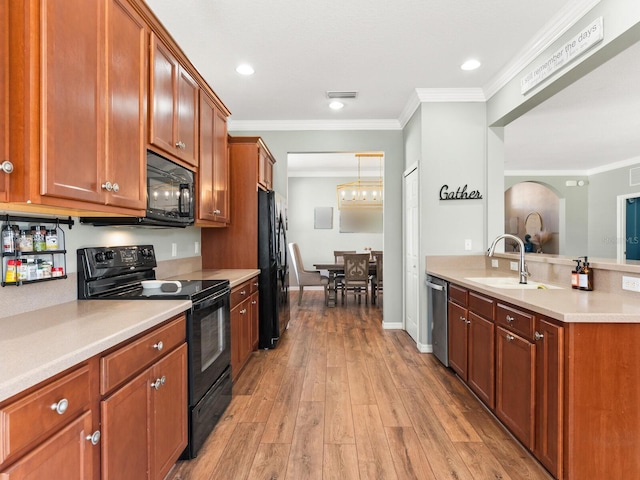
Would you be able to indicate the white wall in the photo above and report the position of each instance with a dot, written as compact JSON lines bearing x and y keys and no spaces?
{"x":317,"y":245}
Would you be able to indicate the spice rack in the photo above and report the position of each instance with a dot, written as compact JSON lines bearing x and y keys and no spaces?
{"x":54,"y":258}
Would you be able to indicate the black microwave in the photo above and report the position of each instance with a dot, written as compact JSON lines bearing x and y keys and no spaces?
{"x":170,"y":197}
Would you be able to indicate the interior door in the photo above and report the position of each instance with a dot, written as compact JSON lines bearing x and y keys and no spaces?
{"x":411,"y":246}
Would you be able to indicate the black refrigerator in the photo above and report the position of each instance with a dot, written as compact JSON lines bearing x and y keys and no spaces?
{"x":274,"y":269}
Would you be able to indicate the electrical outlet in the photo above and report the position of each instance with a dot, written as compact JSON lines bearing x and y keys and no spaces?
{"x":494,"y":263}
{"x":631,"y":283}
{"x":467,"y":244}
{"x":196,"y":248}
{"x":513,"y":266}
{"x":174,"y":249}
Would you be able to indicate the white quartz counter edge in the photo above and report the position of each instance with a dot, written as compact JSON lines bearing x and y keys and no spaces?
{"x":37,"y":345}
{"x":566,"y":304}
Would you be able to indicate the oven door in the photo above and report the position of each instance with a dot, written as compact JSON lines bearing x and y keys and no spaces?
{"x":209,"y":339}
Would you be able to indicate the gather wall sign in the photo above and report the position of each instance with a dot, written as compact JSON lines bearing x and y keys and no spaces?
{"x":461,"y":193}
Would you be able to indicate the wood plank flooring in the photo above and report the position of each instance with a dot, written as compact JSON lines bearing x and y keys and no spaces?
{"x":341,"y":398}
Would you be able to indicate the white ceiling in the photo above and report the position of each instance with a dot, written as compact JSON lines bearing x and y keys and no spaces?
{"x":385,"y":51}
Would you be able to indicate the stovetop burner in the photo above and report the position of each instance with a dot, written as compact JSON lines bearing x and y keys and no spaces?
{"x":116,"y":273}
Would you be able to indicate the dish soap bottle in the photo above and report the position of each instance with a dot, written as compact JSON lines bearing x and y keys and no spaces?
{"x":586,"y":276}
{"x":575,"y":275}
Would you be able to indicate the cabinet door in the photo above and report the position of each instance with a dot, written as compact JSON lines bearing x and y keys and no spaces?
{"x":125,"y":431}
{"x":255,"y":326}
{"x":549,"y":395}
{"x":213,"y":173}
{"x":169,"y":412}
{"x":187,"y":118}
{"x":162,"y":81}
{"x":236,"y":340}
{"x":481,"y":358}
{"x":67,"y":454}
{"x":245,"y":332}
{"x":4,"y":97}
{"x":125,"y":116}
{"x":515,"y":388}
{"x":72,"y":117}
{"x":458,"y":339}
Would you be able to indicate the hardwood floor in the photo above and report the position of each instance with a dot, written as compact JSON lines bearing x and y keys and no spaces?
{"x":341,"y":398}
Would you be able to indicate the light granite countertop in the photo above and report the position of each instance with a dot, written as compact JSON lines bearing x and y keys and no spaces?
{"x":39,"y":344}
{"x":565,"y":304}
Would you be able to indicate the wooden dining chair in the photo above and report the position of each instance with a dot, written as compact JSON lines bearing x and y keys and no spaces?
{"x":376,"y":279}
{"x":306,"y":278}
{"x":338,"y":257}
{"x":356,"y":276}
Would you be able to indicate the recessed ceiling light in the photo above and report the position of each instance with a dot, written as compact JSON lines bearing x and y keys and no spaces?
{"x":336,"y":105}
{"x":245,"y":69}
{"x":470,"y":65}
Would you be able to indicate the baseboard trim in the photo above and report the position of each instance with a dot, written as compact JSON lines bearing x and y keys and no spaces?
{"x":392,"y":325}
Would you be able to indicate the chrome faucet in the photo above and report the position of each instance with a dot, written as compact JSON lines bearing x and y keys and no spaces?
{"x":523,"y":266}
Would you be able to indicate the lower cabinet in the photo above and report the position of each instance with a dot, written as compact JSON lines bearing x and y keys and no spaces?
{"x":144,"y":421}
{"x":244,"y":324}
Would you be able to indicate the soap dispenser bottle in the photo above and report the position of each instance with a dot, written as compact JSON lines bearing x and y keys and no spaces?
{"x":575,"y":275}
{"x":586,"y":276}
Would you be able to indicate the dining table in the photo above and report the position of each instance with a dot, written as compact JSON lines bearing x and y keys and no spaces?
{"x":334,"y":270}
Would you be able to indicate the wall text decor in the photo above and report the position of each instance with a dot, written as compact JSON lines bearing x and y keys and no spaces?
{"x":460,"y":194}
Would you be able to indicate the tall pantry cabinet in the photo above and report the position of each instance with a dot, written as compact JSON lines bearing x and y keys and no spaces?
{"x":4,"y":97}
{"x":237,"y":245}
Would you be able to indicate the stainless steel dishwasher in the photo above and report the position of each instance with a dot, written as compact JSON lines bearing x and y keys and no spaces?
{"x":437,"y":317}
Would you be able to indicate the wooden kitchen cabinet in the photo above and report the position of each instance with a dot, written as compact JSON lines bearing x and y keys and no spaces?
{"x":4,"y":98}
{"x":212,"y":200}
{"x":458,"y":339}
{"x":144,"y":421}
{"x":549,"y":401}
{"x":244,"y":324}
{"x":265,"y":168}
{"x":173,"y":105}
{"x":50,"y":430}
{"x":237,"y":245}
{"x":78,"y":99}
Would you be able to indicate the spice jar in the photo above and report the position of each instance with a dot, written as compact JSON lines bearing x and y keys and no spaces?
{"x":32,"y":269}
{"x":10,"y":275}
{"x":39,"y":238}
{"x":57,"y":272}
{"x":8,"y":239}
{"x":26,"y":241}
{"x":21,"y":270}
{"x":51,"y":239}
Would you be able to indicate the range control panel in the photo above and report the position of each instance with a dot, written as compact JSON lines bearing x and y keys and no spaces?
{"x":99,"y":262}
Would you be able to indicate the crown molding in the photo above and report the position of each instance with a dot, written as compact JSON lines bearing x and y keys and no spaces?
{"x":564,"y":173}
{"x":279,"y":125}
{"x":433,"y":95}
{"x":566,"y":18}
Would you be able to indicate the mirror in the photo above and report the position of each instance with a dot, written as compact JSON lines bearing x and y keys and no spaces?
{"x":583,"y":141}
{"x":533,"y":224}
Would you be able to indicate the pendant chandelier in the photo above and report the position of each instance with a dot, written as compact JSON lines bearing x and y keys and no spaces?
{"x":362,"y":193}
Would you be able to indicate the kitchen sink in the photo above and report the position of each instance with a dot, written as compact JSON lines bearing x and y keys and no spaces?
{"x":511,"y":283}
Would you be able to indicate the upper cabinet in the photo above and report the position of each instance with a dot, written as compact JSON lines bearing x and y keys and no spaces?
{"x":4,"y":98}
{"x":173,"y":105}
{"x":78,"y":76}
{"x":265,"y":168}
{"x":213,"y":175}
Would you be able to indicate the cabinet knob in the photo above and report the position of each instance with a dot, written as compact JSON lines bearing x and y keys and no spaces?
{"x":116,"y":187}
{"x":60,"y":406}
{"x":158,"y":346}
{"x":181,"y":145}
{"x":107,"y":186}
{"x":243,"y":292}
{"x":462,"y":319}
{"x":159,"y":382}
{"x":538,"y":336}
{"x":468,"y":322}
{"x":256,"y":284}
{"x":243,"y":311}
{"x":94,"y":438}
{"x":510,"y":319}
{"x":7,"y":166}
{"x":216,"y":212}
{"x":254,"y":302}
{"x":509,"y":337}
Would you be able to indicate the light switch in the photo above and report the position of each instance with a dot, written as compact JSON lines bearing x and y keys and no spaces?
{"x":467,"y":244}
{"x":174,"y":249}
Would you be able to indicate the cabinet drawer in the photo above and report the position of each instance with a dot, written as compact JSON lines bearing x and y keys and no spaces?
{"x":42,"y":412}
{"x":458,"y":294}
{"x":481,"y":305}
{"x":255,"y":284}
{"x":517,"y":320}
{"x":240,"y":293}
{"x":125,"y":362}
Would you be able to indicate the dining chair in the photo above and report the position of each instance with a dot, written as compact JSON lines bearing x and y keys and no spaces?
{"x":306,"y":278}
{"x":338,"y":257}
{"x":356,"y":275}
{"x":376,"y":279}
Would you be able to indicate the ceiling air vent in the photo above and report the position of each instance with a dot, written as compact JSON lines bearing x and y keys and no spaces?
{"x":335,"y":94}
{"x":634,"y":176}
